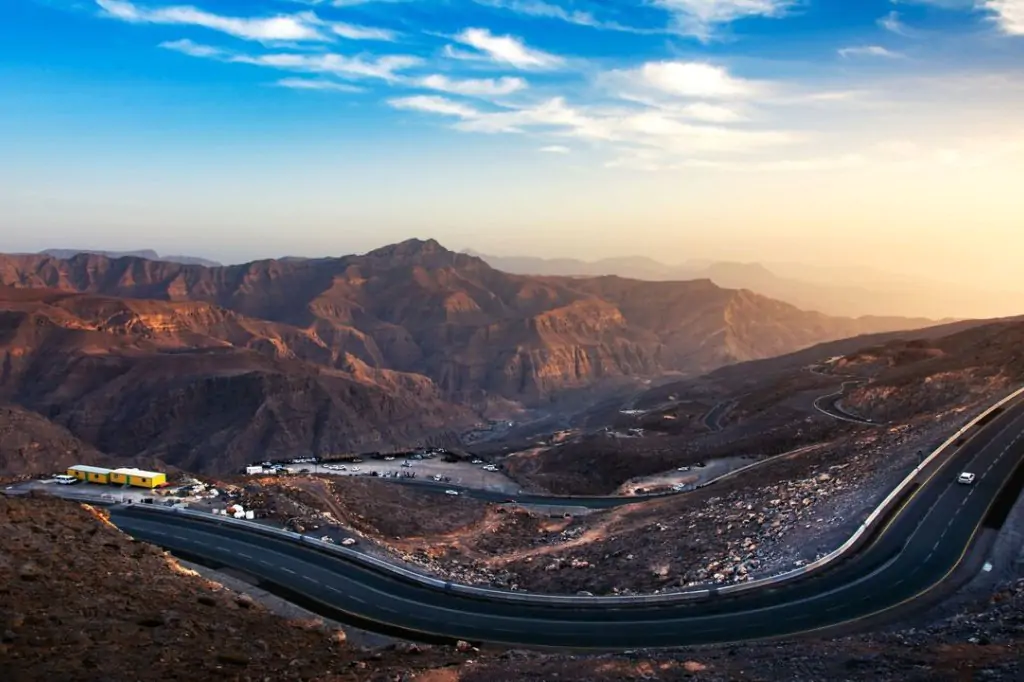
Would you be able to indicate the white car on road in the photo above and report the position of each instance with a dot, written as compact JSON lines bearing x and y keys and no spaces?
{"x":451,"y":492}
{"x":966,"y":478}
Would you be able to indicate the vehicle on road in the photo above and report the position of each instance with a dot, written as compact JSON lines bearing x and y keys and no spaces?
{"x":965,"y":477}
{"x":451,"y":492}
{"x":348,"y":542}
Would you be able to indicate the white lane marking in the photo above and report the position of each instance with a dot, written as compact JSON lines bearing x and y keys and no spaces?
{"x":287,"y":570}
{"x":312,"y":580}
{"x":244,"y":556}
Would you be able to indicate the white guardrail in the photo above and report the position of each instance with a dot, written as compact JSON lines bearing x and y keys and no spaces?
{"x":576,"y":600}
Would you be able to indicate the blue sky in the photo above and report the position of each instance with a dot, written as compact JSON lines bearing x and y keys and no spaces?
{"x":728,"y":128}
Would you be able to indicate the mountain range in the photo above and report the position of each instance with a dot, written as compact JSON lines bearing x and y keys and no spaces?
{"x":833,"y":291}
{"x":148,"y":254}
{"x":209,"y":367}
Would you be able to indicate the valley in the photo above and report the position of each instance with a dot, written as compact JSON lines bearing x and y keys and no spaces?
{"x":208,"y":368}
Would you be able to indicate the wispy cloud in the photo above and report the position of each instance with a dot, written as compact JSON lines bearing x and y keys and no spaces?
{"x":891,"y":22}
{"x":312,"y":84}
{"x":301,"y":27}
{"x":434,"y":105}
{"x":547,"y":10}
{"x":382,"y":67}
{"x":503,"y":49}
{"x":622,"y":127}
{"x":700,"y":18}
{"x":473,"y":87}
{"x":867,"y":51}
{"x":555,"y":149}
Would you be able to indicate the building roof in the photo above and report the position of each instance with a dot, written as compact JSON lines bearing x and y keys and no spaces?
{"x":131,"y":471}
{"x":85,"y":468}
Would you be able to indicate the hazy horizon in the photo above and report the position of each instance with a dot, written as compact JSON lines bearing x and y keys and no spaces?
{"x":876,"y":134}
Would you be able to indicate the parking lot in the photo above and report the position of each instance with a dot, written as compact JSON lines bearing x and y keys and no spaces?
{"x":458,"y":473}
{"x":80,"y":489}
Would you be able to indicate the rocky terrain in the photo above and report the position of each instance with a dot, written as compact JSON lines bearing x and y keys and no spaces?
{"x":195,"y":386}
{"x":814,"y":481}
{"x":57,"y":622}
{"x":473,"y":330}
{"x":81,"y":602}
{"x":786,"y":511}
{"x":30,"y":443}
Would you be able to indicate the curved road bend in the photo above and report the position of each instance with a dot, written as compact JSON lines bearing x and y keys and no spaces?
{"x":918,"y":548}
{"x":828,"y":405}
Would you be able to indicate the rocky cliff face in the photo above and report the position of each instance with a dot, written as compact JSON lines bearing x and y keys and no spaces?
{"x":417,"y":308}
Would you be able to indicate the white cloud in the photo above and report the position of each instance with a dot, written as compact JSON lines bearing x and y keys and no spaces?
{"x":699,"y":18}
{"x":193,"y":49}
{"x":547,"y":10}
{"x":690,"y":79}
{"x":1009,"y":14}
{"x":295,"y":27}
{"x":311,"y":84}
{"x":356,"y":32}
{"x":712,"y":113}
{"x":655,"y":130}
{"x":867,"y":51}
{"x":304,"y":26}
{"x":434,"y":105}
{"x":383,"y":67}
{"x":375,"y":67}
{"x":891,"y":22}
{"x":473,"y":87}
{"x":504,"y":49}
{"x":555,"y":149}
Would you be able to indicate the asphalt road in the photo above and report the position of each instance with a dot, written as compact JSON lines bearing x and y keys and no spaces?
{"x":920,"y":546}
{"x":712,"y":420}
{"x":828,"y":405}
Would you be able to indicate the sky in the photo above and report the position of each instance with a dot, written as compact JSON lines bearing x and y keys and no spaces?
{"x":834,"y":132}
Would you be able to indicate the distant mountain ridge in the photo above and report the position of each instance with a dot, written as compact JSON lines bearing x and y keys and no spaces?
{"x":474,"y":330}
{"x":899,"y":297}
{"x":147,"y":254}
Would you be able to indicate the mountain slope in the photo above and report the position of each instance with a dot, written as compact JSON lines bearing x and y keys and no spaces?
{"x":419,"y":308}
{"x":199,"y":387}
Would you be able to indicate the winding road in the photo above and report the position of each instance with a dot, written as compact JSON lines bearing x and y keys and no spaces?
{"x":912,"y":552}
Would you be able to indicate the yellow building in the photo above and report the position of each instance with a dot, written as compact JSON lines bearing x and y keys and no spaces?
{"x":90,"y":474}
{"x":137,"y":478}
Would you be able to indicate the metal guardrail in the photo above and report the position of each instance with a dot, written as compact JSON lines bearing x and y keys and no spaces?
{"x":858,"y":537}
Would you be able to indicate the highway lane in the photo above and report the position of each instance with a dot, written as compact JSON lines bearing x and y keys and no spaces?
{"x":921,"y":545}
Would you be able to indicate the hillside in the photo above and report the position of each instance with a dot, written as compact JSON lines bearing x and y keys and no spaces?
{"x":30,"y":443}
{"x":474,"y":331}
{"x":196,"y":386}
